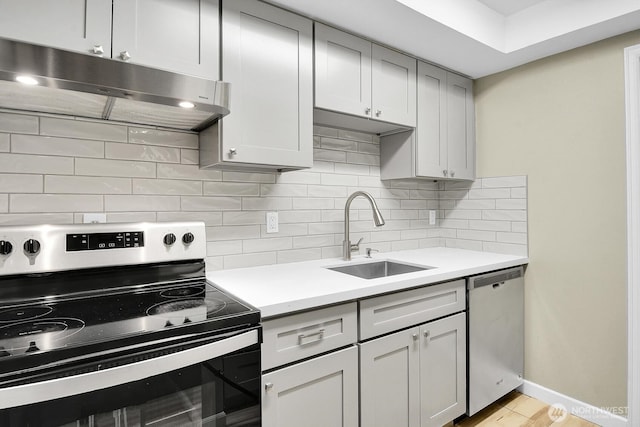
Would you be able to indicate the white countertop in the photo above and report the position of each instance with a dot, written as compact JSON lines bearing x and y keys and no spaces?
{"x":285,"y":288}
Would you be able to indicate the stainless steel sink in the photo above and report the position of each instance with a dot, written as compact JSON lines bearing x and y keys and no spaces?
{"x":375,"y":270}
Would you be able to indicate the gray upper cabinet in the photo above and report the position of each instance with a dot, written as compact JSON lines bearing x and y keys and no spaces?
{"x":443,"y":143}
{"x":362,"y":79}
{"x":267,"y":56}
{"x":79,"y":25}
{"x":176,"y":35}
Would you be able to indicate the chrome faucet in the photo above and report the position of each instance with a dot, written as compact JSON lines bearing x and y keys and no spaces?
{"x":347,"y":247}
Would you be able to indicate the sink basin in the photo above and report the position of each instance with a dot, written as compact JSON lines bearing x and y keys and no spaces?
{"x":375,"y":270}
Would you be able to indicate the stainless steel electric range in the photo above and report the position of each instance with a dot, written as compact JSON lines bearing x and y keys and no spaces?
{"x":116,"y":325}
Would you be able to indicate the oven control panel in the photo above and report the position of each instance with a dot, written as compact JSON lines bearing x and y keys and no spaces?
{"x":47,"y":248}
{"x":98,"y":241}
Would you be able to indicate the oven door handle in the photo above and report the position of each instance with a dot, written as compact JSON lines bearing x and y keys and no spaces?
{"x":84,"y":383}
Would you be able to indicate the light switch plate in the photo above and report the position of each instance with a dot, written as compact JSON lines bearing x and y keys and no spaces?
{"x":432,"y":217}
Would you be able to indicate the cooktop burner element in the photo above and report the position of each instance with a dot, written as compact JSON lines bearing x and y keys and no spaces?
{"x":188,"y":291}
{"x":12,"y":315}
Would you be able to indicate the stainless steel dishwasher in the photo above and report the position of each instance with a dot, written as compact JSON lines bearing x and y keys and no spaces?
{"x":495,"y":332}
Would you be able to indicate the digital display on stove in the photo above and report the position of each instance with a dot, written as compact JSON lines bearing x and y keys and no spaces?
{"x":98,"y":241}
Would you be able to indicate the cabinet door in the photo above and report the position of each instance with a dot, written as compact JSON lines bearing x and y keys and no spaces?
{"x":431,"y":132}
{"x":343,"y":72}
{"x":66,"y":24}
{"x":176,"y":35}
{"x":267,"y":58}
{"x":320,"y":392}
{"x":393,"y":82}
{"x":460,"y":127}
{"x":390,"y":380}
{"x":443,"y":373}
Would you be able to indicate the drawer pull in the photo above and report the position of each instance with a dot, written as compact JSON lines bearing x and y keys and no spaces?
{"x":320,"y":335}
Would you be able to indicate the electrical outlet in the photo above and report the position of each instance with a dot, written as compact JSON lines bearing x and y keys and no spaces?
{"x":92,"y":218}
{"x":272,"y":222}
{"x":432,"y":217}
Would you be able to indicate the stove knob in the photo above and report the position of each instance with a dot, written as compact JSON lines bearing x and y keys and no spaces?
{"x":31,"y":247}
{"x":188,"y":238}
{"x":5,"y":247}
{"x":169,"y":239}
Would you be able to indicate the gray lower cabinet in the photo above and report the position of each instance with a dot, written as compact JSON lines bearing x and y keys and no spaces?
{"x":415,"y":377}
{"x":319,"y":392}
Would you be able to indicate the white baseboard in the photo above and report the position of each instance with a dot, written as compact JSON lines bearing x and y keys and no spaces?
{"x":580,"y":409}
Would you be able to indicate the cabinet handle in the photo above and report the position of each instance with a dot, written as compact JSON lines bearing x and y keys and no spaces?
{"x":125,"y":55}
{"x":415,"y":337}
{"x":367,"y":111}
{"x":320,"y":335}
{"x":445,"y":172}
{"x":98,"y":50}
{"x":452,"y":173}
{"x":232,"y":151}
{"x":378,"y":113}
{"x":426,"y":334}
{"x":268,"y":386}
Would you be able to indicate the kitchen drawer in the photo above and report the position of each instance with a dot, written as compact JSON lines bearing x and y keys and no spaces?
{"x":391,"y":312}
{"x":296,"y":337}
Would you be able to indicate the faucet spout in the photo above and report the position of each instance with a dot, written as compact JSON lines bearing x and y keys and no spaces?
{"x":347,"y":247}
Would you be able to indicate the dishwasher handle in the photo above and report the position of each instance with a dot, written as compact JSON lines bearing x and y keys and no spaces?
{"x":495,"y":279}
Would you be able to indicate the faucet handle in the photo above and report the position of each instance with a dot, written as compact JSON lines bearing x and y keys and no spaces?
{"x":369,"y":251}
{"x":356,"y":246}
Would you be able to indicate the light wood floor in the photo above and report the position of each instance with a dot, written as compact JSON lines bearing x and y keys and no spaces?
{"x":517,"y":410}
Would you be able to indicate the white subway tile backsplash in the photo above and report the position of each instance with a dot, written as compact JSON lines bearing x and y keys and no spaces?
{"x":249,"y":260}
{"x":300,"y":216}
{"x":231,"y":189}
{"x":82,"y":129}
{"x":4,"y":143}
{"x":298,"y":255}
{"x":337,"y":179}
{"x":118,"y":168}
{"x":243,"y":218}
{"x":263,"y":178}
{"x":504,"y":248}
{"x":148,"y":153}
{"x":230,"y":247}
{"x":267,"y":244}
{"x":173,"y":171}
{"x":210,"y":203}
{"x":140,"y":203}
{"x":163,"y":137}
{"x":86,"y":185}
{"x":53,"y":146}
{"x":35,"y":219}
{"x":209,"y":218}
{"x":23,"y":183}
{"x":125,"y":217}
{"x":266,"y":203}
{"x":189,"y":157}
{"x":151,"y":174}
{"x":38,"y":203}
{"x":18,"y":123}
{"x":166,"y":186}
{"x":283,"y":190}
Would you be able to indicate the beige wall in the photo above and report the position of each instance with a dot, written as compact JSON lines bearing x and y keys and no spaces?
{"x":560,"y":121}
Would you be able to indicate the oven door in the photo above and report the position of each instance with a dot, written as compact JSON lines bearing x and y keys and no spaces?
{"x":214,"y":383}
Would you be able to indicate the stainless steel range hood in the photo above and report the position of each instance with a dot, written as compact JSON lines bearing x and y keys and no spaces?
{"x":77,"y":84}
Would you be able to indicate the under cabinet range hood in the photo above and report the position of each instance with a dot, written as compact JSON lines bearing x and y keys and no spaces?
{"x":49,"y":80}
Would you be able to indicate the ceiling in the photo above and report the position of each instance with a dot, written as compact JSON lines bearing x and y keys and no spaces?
{"x":477,"y":37}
